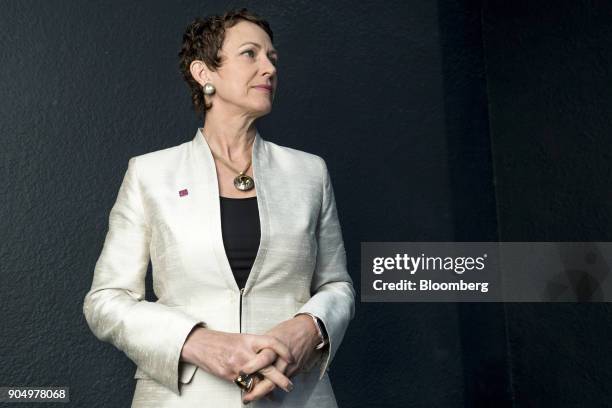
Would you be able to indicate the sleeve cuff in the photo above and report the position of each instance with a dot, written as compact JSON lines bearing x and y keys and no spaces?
{"x":325,"y":351}
{"x":174,"y":371}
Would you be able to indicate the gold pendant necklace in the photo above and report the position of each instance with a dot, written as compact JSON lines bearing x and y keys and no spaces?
{"x":242,"y":181}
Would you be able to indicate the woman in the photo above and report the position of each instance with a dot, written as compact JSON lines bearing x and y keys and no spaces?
{"x":249,"y":265}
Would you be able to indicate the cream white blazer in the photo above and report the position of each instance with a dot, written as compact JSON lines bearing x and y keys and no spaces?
{"x":167,"y":211}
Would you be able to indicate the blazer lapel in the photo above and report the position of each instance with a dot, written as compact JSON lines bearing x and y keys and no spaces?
{"x":211,"y":209}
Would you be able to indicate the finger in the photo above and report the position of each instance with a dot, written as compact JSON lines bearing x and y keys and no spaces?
{"x":263,"y":359}
{"x":279,"y":379}
{"x":281,"y":365}
{"x":265,"y":386}
{"x":261,"y":388}
{"x":262,"y":342}
{"x":284,"y":367}
{"x":291,"y":370}
{"x":275,"y":376}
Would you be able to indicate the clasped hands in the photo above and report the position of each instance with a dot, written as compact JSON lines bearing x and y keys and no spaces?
{"x":278,"y":354}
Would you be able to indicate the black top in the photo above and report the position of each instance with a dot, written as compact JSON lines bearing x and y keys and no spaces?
{"x":241,"y":234}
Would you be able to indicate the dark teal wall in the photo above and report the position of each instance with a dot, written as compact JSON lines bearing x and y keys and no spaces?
{"x":549,"y":75}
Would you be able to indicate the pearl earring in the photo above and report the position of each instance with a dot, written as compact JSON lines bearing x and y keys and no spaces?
{"x":209,"y":88}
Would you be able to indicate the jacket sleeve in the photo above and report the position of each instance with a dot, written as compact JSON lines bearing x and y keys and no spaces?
{"x":150,"y":334}
{"x":333,"y":295}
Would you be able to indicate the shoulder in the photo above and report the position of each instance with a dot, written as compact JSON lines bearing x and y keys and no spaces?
{"x":160,"y":158}
{"x":155,"y":165}
{"x":293,"y":159}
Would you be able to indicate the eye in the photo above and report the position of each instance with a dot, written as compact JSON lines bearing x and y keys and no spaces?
{"x":251,"y":53}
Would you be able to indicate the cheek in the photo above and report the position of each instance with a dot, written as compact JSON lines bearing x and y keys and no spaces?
{"x":237,"y":87}
{"x":231,"y":92}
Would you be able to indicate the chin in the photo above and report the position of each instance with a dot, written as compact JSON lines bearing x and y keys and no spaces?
{"x":262,"y":110}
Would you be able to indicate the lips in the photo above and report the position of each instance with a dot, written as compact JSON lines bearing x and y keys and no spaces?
{"x":264,"y":87}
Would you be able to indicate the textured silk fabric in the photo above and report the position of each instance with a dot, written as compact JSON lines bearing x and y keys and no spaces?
{"x":300,"y":267}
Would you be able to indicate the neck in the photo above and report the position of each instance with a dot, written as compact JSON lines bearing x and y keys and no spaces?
{"x":230,"y":137}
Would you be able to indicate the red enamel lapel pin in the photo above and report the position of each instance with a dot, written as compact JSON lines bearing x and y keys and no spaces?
{"x":183,"y":192}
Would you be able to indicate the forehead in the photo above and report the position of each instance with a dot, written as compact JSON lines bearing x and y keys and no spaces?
{"x":245,"y":31}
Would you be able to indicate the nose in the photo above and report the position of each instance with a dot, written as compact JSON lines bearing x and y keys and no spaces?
{"x":268,"y":67}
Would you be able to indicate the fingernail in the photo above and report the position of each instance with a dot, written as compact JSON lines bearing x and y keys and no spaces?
{"x":290,"y":387}
{"x":245,"y":402}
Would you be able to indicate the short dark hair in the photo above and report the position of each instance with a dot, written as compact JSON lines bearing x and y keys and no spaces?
{"x":203,"y":39}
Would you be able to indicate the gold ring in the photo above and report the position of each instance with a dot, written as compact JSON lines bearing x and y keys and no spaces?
{"x":244,"y":381}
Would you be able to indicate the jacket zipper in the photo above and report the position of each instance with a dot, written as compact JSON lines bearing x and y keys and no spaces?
{"x":240,"y":310}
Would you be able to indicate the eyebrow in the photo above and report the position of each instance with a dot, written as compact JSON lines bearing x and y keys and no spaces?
{"x":258,"y":46}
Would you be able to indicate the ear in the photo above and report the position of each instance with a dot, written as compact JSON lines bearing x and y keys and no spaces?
{"x":200,"y":72}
